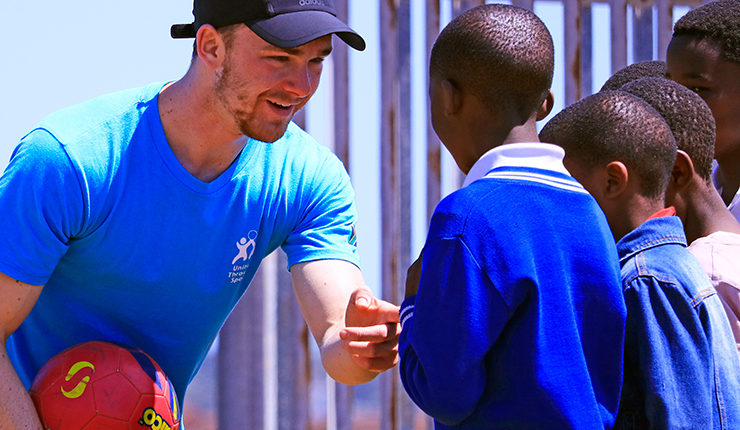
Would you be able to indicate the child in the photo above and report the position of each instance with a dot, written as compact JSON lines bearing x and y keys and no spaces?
{"x":634,"y":71}
{"x":711,"y":230}
{"x":519,"y":317}
{"x":680,"y":364}
{"x":704,"y":55}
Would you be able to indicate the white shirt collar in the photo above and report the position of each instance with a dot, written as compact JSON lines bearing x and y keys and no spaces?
{"x":538,"y":155}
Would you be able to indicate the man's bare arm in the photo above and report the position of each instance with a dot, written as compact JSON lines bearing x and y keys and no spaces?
{"x":357,"y":334}
{"x":16,"y":408}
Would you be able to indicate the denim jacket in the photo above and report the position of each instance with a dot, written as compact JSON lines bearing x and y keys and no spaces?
{"x":681,"y":368}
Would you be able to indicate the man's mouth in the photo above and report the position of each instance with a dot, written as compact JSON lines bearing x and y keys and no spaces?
{"x":280,"y":106}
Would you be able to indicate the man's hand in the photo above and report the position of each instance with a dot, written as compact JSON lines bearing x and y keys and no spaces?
{"x":371,"y":331}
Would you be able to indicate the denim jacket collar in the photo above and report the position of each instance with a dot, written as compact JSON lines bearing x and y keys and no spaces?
{"x":651,"y":233}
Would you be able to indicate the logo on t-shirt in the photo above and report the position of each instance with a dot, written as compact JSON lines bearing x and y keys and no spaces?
{"x":245,"y":249}
{"x":353,"y":237}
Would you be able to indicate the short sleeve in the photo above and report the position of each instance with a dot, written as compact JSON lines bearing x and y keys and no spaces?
{"x":41,"y":208}
{"x":326,"y":224}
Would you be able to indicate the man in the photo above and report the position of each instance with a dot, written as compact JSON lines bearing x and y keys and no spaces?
{"x":124,"y":218}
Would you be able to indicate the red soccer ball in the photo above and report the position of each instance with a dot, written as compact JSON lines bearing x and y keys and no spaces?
{"x":104,"y":386}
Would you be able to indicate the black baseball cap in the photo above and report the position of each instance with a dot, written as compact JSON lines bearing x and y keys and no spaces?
{"x":283,"y":23}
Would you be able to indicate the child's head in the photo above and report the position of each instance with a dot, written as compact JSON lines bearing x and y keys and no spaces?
{"x":491,"y":66}
{"x":704,"y":55}
{"x":692,"y":125}
{"x":634,"y":71}
{"x":687,"y":115}
{"x":621,"y":150}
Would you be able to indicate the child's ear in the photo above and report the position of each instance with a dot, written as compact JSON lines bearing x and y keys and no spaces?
{"x":546,"y":107}
{"x":683,"y":172}
{"x":451,"y":97}
{"x":617,"y":178}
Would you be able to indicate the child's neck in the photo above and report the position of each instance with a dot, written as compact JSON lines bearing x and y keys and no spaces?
{"x":524,"y":133}
{"x":706,"y":213}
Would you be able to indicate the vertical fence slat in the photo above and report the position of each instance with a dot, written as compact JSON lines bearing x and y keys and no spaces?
{"x":340,"y":56}
{"x":293,"y":355}
{"x":434,"y":147}
{"x":526,"y":4}
{"x":395,"y":183}
{"x":341,"y":408}
{"x":572,"y":42}
{"x":665,"y":26}
{"x":586,"y":51}
{"x":241,"y":387}
{"x":618,"y":26}
{"x":642,"y":30}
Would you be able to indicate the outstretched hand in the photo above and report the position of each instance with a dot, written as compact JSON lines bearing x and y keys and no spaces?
{"x":371,"y":331}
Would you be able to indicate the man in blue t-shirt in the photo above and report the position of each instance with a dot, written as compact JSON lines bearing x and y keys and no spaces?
{"x":141,"y":217}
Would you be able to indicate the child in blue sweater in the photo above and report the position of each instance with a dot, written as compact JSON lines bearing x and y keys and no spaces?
{"x":681,"y":368}
{"x":518,"y":320}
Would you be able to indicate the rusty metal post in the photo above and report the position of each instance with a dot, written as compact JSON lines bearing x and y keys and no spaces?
{"x":340,"y":56}
{"x":526,"y":4}
{"x":340,"y":409}
{"x":642,"y":30}
{"x":395,"y":182}
{"x":618,"y":25}
{"x":586,"y":43}
{"x":292,"y":355}
{"x":434,"y":147}
{"x":572,"y":41}
{"x":241,"y":376}
{"x":665,"y":26}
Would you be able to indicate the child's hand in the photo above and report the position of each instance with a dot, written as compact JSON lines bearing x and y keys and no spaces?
{"x":413,"y":277}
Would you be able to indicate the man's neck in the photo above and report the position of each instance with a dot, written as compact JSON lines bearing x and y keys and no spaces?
{"x":198,"y":137}
{"x":706,"y":213}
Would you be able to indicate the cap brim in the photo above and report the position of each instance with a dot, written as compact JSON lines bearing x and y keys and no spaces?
{"x":289,"y":30}
{"x":182,"y":31}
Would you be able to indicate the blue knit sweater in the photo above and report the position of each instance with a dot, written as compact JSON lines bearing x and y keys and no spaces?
{"x":519,"y":318}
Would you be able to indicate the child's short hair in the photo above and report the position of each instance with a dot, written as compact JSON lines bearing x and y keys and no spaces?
{"x":617,"y":126}
{"x":719,"y":21}
{"x":635,"y":71}
{"x":688,"y":116}
{"x":502,"y":54}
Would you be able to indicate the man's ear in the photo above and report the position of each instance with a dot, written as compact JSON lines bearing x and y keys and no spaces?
{"x":617,"y":178}
{"x":546,"y":107}
{"x":210,"y":46}
{"x":451,"y":97}
{"x":682,"y":173}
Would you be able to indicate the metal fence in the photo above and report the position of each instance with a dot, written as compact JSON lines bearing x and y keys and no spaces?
{"x":265,"y":357}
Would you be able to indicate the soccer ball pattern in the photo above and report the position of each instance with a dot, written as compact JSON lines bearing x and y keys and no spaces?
{"x":104,"y":386}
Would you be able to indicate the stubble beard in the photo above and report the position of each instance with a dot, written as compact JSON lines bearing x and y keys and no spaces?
{"x":227,"y":87}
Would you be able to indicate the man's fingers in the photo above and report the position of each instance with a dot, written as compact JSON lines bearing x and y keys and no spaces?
{"x":376,"y":364}
{"x":364,"y":309}
{"x":375,"y":333}
{"x":387,"y":312}
{"x":371,"y":349}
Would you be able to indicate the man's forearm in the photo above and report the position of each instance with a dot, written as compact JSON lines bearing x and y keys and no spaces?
{"x":16,"y":408}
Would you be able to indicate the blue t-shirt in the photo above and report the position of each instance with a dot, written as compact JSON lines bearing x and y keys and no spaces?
{"x":132,"y":248}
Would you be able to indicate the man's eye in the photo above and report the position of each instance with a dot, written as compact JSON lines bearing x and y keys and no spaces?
{"x":318,"y":60}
